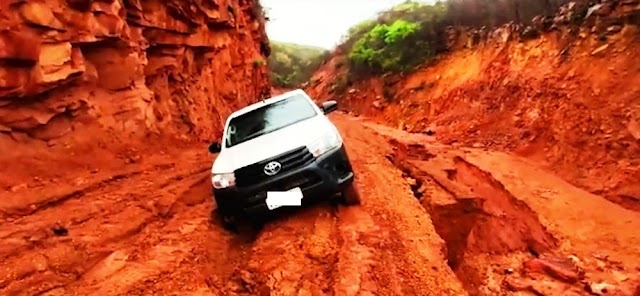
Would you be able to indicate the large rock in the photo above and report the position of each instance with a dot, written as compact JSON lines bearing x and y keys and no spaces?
{"x":557,"y":268}
{"x":528,"y":33}
{"x":39,"y":14}
{"x":19,"y":48}
{"x":177,"y":66}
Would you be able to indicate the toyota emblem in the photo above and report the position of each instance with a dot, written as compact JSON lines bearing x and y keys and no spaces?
{"x":272,"y":168}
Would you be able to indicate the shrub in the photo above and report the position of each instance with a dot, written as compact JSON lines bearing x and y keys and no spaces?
{"x":381,"y":49}
{"x":400,"y":39}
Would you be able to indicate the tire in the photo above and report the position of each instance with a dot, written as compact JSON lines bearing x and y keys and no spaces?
{"x":228,"y":222}
{"x":350,"y":195}
{"x":256,"y":224}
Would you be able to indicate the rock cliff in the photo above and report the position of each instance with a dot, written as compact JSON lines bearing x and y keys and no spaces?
{"x":127,"y":66}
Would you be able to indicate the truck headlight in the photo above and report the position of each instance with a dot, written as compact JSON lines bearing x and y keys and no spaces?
{"x":221,"y":181}
{"x":327,"y":142}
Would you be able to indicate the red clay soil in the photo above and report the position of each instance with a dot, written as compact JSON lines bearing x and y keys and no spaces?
{"x":507,"y":231}
{"x":570,"y":105}
{"x":98,"y":197}
{"x":141,"y":226}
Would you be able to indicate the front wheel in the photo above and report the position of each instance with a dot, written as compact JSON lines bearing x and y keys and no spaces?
{"x":350,"y":195}
{"x":229,"y":222}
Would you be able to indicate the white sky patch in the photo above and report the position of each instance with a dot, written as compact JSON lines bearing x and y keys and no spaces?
{"x":319,"y":22}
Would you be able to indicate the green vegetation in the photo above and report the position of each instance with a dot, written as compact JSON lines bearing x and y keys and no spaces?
{"x":414,"y":32}
{"x":381,"y":48}
{"x":293,"y":64}
{"x":400,"y":39}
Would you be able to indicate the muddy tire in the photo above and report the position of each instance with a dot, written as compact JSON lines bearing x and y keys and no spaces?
{"x":350,"y":195}
{"x":228,"y":222}
{"x":256,"y":224}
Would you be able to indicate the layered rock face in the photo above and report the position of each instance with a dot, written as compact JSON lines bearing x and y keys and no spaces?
{"x":128,"y":66}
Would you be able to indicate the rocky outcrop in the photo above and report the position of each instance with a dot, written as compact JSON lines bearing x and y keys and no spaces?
{"x":131,"y":66}
{"x":603,"y":19}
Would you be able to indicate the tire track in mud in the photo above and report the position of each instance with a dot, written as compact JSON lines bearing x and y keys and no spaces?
{"x":407,"y":255}
{"x":366,"y":256}
{"x":97,"y":207}
{"x":10,"y":212}
{"x":47,"y":200}
{"x":330,"y":251}
{"x":294,"y":254}
{"x":167,"y":247}
{"x":386,"y":246}
{"x":404,"y":254}
{"x":152,"y":235}
{"x":222,"y":260}
{"x":37,"y":260}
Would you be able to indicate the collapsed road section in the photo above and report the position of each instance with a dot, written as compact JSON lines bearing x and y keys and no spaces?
{"x":511,"y":226}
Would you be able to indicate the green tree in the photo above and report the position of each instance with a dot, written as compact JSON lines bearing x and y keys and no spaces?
{"x":381,"y":48}
{"x":400,"y":39}
{"x":293,"y":64}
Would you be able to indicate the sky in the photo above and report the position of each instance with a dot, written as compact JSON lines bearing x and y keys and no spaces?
{"x":318,"y":22}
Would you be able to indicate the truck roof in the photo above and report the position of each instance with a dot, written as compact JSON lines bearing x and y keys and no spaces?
{"x":265,"y":102}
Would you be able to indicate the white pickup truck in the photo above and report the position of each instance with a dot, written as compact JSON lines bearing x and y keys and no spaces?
{"x":282,"y":144}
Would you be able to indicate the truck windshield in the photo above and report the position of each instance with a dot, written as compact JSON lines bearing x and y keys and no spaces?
{"x":269,"y":118}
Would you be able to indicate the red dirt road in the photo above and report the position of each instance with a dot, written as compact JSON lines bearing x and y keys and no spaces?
{"x":434,"y":221}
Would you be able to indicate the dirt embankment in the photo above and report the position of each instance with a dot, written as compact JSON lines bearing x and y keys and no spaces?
{"x":564,"y":96}
{"x":508,"y":234}
{"x":82,"y":75}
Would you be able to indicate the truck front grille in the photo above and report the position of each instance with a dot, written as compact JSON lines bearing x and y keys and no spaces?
{"x":253,"y":174}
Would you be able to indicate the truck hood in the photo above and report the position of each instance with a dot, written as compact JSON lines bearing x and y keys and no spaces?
{"x":272,"y":144}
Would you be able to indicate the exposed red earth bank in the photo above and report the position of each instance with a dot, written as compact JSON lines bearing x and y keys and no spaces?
{"x":504,"y":168}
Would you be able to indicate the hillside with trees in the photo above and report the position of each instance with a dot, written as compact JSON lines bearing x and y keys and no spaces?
{"x":544,"y":79}
{"x":293,"y":64}
{"x":411,"y":33}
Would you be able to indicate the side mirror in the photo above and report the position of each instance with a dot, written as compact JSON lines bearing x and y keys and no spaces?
{"x":215,"y":147}
{"x":329,"y":106}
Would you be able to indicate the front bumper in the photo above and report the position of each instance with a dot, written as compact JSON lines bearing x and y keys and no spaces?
{"x":322,"y":178}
